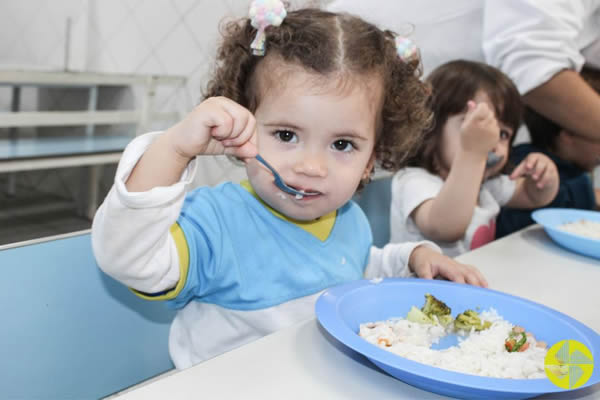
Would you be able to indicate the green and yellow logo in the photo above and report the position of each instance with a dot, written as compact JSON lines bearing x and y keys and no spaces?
{"x":569,"y":364}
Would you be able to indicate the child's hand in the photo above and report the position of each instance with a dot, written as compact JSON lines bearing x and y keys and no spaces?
{"x":216,"y":126}
{"x":428,"y":263}
{"x":597,"y":192}
{"x":480,"y":131}
{"x":540,"y":172}
{"x":537,"y":184}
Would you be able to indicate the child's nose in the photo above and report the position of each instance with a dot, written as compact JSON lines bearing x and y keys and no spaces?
{"x":312,"y":165}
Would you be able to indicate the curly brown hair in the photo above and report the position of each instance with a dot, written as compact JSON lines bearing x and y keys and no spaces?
{"x":331,"y":45}
{"x":453,"y":85}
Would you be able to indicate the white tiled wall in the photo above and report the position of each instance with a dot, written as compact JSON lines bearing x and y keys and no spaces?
{"x":174,"y":37}
{"x":32,"y":32}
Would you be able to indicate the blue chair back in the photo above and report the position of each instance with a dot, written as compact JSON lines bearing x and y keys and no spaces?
{"x":70,"y":331}
{"x":375,"y":200}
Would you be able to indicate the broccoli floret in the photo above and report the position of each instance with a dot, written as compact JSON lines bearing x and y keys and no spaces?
{"x":445,"y":320}
{"x":435,"y":306}
{"x":470,"y":319}
{"x":416,"y":315}
{"x":439,"y":309}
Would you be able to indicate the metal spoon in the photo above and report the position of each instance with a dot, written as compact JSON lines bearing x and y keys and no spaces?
{"x":492,"y":159}
{"x":281,"y":184}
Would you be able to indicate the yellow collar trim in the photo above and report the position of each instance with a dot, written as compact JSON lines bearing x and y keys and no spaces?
{"x":320,"y":228}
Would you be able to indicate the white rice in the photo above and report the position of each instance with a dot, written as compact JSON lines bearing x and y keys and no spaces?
{"x":478,"y":353}
{"x":583,"y":227}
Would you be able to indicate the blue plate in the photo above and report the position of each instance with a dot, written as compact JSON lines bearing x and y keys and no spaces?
{"x":551,"y":218}
{"x":341,"y":310}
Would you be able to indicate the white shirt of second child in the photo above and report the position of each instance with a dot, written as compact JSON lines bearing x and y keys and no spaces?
{"x":412,"y":186}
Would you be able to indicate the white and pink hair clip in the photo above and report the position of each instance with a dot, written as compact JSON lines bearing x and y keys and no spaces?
{"x":264,"y":13}
{"x":406,"y":49}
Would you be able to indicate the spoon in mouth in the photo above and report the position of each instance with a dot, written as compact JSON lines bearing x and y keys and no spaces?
{"x":492,"y":159}
{"x":281,"y":184}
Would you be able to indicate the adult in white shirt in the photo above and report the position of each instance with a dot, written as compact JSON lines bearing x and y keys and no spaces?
{"x":542,"y":45}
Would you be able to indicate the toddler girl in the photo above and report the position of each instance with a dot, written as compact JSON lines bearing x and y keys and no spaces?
{"x":454,"y":187}
{"x":321,"y":97}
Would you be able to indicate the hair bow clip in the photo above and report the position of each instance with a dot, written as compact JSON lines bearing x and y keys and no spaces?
{"x":264,"y":13}
{"x":406,"y":49}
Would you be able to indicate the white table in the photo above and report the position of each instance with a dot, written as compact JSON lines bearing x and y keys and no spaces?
{"x":304,"y":362}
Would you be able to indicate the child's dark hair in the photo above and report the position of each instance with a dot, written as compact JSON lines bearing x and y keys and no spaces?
{"x":331,"y":45}
{"x":543,"y":131}
{"x":453,"y":85}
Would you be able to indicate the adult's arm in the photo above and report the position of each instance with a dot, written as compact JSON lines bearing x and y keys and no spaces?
{"x":570,"y":102}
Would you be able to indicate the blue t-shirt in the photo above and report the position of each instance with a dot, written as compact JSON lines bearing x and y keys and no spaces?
{"x":244,"y":257}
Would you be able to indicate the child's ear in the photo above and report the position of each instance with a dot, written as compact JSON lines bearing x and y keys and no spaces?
{"x":369,"y":167}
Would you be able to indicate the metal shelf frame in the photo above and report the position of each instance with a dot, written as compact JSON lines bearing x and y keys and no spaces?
{"x":92,"y":153}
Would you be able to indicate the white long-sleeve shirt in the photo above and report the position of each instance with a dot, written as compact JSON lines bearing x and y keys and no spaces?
{"x":132,"y":243}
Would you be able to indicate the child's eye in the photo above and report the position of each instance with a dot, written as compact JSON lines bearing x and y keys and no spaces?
{"x":286,"y":136}
{"x":504,"y":134}
{"x":343,"y":145}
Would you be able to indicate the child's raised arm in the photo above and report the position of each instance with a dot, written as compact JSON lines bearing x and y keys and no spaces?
{"x":447,"y":216}
{"x":131,"y":235}
{"x":217,"y":126}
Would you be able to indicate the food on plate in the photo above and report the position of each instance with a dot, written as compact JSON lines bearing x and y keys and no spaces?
{"x":519,"y":340}
{"x":488,"y":345}
{"x":437,"y":309}
{"x":469,"y":320}
{"x":583,"y":227}
{"x":433,"y":312}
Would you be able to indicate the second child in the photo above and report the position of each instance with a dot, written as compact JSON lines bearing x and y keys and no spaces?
{"x":453,"y":189}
